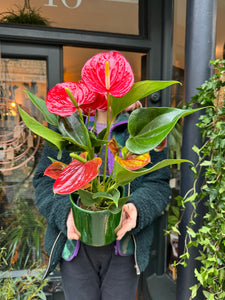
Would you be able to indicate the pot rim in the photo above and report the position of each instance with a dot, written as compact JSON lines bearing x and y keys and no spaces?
{"x":87,"y":210}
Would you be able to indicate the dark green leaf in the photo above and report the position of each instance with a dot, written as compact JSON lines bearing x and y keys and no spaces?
{"x":115,"y":209}
{"x":73,"y":129}
{"x":124,"y":176}
{"x":138,"y":91}
{"x":48,"y":134}
{"x":148,"y":127}
{"x":113,"y":196}
{"x":41,"y":105}
{"x":96,"y":141}
{"x":70,"y":147}
{"x":86,"y":197}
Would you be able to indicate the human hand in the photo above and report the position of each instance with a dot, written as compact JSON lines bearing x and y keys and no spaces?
{"x":72,"y":232}
{"x":128,"y":220}
{"x":133,"y":106}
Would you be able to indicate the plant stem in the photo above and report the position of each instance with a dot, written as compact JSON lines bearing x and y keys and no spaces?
{"x":74,"y":101}
{"x":88,"y":119}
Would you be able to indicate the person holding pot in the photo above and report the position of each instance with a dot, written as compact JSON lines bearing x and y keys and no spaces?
{"x":112,"y":271}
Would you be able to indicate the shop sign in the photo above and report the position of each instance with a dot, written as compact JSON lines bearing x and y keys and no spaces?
{"x":52,"y":3}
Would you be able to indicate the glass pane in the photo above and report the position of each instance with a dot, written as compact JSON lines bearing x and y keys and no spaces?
{"x":23,"y":225}
{"x":74,"y":58}
{"x":98,"y":15}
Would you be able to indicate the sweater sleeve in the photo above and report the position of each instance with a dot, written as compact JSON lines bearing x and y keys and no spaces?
{"x":150,"y":193}
{"x":54,"y":208}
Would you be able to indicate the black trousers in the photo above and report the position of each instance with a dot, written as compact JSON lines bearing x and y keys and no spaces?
{"x":98,"y":274}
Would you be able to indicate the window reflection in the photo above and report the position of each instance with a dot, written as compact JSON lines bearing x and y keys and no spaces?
{"x":22,"y":225}
{"x":17,"y":144}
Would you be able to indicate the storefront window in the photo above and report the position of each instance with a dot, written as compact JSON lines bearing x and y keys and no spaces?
{"x":98,"y":15}
{"x":74,"y":58}
{"x":19,"y":219}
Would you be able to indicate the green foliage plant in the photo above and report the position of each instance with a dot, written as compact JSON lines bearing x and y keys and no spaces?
{"x":147,"y":129}
{"x":28,"y":287}
{"x":24,"y":234}
{"x":210,"y":238}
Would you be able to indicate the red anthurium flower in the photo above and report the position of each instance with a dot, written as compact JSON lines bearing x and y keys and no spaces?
{"x":134,"y":162}
{"x":100,"y":103}
{"x":161,"y":146}
{"x":76,"y":175}
{"x":108,"y":72}
{"x":55,"y":169}
{"x":58,"y":102}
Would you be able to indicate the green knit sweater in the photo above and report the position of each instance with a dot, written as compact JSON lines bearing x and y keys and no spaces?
{"x":150,"y":194}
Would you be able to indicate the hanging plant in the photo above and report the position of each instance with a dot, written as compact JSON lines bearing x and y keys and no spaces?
{"x":24,"y":15}
{"x":210,"y":238}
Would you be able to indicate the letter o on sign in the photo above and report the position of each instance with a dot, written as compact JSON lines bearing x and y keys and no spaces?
{"x":75,"y":6}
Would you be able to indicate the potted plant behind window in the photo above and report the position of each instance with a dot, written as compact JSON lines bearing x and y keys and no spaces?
{"x":24,"y":15}
{"x":107,"y":85}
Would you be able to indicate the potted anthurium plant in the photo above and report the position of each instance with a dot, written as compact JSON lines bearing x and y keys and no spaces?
{"x":107,"y":85}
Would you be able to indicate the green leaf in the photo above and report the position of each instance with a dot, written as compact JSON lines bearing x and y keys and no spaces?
{"x":74,"y":130}
{"x":191,"y":232}
{"x":86,"y":197}
{"x":115,"y":209}
{"x":90,"y":199}
{"x":207,"y":295}
{"x":194,"y":290}
{"x":138,"y":91}
{"x":204,"y":229}
{"x":95,"y":141}
{"x":206,"y":163}
{"x":124,"y":176}
{"x":176,"y":211}
{"x":48,"y":134}
{"x":198,"y":276}
{"x":70,"y":147}
{"x":196,"y":149}
{"x":175,"y":229}
{"x":191,"y":198}
{"x":148,"y":127}
{"x":172,"y":220}
{"x":42,"y":296}
{"x":41,"y":105}
{"x":113,"y":196}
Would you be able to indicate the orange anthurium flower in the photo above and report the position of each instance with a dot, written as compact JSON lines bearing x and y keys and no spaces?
{"x":114,"y":147}
{"x":129,"y":160}
{"x":76,"y":175}
{"x":134,"y":161}
{"x":161,"y":146}
{"x":55,"y":169}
